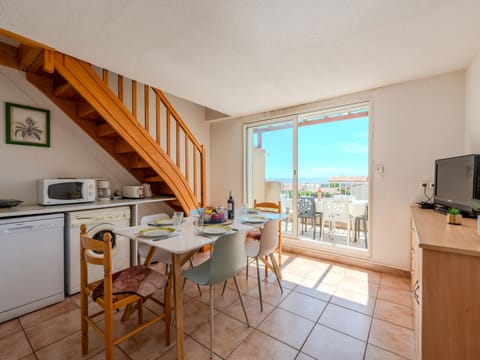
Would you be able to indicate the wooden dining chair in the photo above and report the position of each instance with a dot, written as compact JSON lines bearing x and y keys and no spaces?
{"x":126,"y":287}
{"x":275,"y":208}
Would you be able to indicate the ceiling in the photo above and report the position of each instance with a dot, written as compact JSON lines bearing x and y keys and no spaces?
{"x":246,"y":56}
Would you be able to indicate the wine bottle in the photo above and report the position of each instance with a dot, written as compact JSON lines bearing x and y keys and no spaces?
{"x":231,"y":206}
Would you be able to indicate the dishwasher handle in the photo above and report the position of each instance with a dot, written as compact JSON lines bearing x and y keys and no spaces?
{"x":17,"y":229}
{"x":27,"y":226}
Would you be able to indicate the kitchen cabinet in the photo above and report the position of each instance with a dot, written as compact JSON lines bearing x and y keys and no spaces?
{"x":445,"y":269}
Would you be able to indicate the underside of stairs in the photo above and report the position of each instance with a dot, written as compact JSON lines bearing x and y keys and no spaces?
{"x":175,"y":168}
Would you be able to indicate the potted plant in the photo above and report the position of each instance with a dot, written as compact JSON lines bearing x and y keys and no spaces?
{"x":454,"y":216}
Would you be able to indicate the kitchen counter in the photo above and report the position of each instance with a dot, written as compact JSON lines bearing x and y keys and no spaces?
{"x":34,"y":209}
{"x":434,"y":233}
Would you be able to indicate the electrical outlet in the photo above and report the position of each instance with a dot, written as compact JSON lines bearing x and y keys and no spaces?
{"x":379,"y":169}
{"x":431,"y":185}
{"x":423,"y":184}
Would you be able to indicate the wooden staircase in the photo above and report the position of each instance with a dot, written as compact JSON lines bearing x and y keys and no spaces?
{"x":148,"y":138}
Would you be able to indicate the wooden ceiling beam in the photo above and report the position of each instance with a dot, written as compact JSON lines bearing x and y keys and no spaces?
{"x":8,"y":55}
{"x":27,"y":56}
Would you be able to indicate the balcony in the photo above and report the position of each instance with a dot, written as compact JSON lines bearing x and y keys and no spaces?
{"x":341,"y":211}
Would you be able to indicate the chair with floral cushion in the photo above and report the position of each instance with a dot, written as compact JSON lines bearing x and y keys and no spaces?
{"x":127,"y":287}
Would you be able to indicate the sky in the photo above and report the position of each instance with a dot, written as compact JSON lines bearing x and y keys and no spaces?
{"x":337,"y":148}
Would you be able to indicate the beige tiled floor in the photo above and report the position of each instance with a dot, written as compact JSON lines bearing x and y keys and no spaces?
{"x":327,"y":311}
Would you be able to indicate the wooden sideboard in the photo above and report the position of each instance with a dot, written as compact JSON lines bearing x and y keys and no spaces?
{"x":445,"y":270}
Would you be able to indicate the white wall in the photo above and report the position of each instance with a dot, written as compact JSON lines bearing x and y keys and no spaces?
{"x":414,"y":123}
{"x":472,"y":106}
{"x":226,"y":162}
{"x":72,"y":153}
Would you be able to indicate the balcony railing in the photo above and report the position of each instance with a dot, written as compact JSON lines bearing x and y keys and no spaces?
{"x":357,"y":190}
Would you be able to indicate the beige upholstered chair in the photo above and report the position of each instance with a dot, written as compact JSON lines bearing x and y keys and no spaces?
{"x":262,"y":250}
{"x":275,"y":208}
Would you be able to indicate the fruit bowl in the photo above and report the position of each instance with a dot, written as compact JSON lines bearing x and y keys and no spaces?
{"x":213,"y":217}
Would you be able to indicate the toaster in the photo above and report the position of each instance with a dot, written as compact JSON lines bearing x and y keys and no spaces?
{"x":133,"y":191}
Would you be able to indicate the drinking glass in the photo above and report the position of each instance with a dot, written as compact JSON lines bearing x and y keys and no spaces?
{"x":177,"y":220}
{"x":243,"y":211}
{"x":197,"y":223}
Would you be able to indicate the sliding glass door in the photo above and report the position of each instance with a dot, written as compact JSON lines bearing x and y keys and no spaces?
{"x":269,"y":170}
{"x":316,"y":164}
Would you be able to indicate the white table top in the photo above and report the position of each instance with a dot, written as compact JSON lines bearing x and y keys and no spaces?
{"x":185,"y":240}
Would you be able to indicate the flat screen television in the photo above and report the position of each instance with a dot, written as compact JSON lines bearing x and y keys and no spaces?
{"x":457,"y":182}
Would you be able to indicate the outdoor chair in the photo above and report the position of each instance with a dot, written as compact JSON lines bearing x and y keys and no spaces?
{"x":336,"y":211}
{"x":359,"y":214}
{"x":307,"y":211}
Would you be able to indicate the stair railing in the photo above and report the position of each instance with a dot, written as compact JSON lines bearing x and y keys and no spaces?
{"x":158,"y":117}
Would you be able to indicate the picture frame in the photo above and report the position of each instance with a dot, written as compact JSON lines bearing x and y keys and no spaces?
{"x":27,"y":125}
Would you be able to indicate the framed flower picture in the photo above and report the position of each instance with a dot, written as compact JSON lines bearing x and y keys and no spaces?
{"x":27,"y":125}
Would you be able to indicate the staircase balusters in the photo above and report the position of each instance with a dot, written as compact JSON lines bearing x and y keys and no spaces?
{"x":189,"y":156}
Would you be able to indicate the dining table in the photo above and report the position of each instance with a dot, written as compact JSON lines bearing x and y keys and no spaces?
{"x":182,"y":244}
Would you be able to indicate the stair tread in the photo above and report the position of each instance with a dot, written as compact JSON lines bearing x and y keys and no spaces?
{"x":65,"y":91}
{"x":153,"y":179}
{"x":87,"y":111}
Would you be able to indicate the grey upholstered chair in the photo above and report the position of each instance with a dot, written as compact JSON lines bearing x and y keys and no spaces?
{"x":227,"y":260}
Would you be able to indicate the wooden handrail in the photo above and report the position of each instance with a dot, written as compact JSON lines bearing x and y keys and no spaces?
{"x":24,"y":40}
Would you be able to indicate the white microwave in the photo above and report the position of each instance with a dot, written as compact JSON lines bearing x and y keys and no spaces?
{"x":65,"y":191}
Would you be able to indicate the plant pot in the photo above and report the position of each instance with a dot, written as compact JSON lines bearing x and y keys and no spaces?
{"x":454,"y":219}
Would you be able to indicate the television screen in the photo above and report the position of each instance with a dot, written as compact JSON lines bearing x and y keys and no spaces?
{"x":456,"y":181}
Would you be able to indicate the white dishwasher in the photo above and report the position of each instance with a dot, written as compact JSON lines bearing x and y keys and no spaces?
{"x":31,"y":264}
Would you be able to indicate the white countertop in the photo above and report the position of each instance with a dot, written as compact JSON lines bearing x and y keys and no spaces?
{"x":34,"y":209}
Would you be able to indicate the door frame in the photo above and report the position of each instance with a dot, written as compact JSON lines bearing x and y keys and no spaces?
{"x":291,"y":239}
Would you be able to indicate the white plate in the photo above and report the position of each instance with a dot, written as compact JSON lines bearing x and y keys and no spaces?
{"x":216,"y":230}
{"x":254,"y":219}
{"x":166,"y":221}
{"x":156,"y":232}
